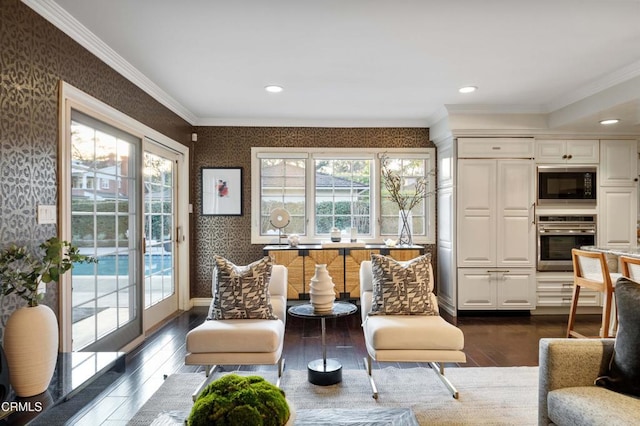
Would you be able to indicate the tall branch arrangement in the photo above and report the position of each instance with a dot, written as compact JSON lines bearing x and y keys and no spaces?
{"x":406,"y":200}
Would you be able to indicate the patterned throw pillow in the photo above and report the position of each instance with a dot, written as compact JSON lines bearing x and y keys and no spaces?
{"x":402,"y":288}
{"x":241,"y":292}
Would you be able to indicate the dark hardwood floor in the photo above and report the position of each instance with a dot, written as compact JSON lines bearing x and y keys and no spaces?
{"x":490,"y":341}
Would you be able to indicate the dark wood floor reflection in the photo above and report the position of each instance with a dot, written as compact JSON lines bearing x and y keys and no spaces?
{"x":490,"y":341}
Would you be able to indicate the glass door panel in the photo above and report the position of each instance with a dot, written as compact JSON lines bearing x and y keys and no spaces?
{"x":160,"y":296}
{"x":104,"y":224}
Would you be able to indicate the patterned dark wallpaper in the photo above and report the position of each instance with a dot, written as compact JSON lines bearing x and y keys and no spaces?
{"x":34,"y":57}
{"x":230,"y":236}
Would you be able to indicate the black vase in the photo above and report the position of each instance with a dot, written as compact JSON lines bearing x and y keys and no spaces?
{"x":5,"y":390}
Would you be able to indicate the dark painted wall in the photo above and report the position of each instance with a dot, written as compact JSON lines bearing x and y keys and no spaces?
{"x":230,"y":236}
{"x":34,"y":57}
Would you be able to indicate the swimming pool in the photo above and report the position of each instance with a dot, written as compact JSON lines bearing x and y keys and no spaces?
{"x":119,"y":265}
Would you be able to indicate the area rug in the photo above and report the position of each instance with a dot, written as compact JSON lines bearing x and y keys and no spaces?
{"x":488,"y":395}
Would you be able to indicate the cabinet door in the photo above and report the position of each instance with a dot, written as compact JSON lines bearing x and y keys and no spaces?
{"x":446,"y":271}
{"x":578,"y":151}
{"x":583,"y":151}
{"x":476,"y":233}
{"x":619,"y":164}
{"x":555,"y":289}
{"x":551,"y":151}
{"x":335,"y":265}
{"x":516,"y":289}
{"x":495,"y":147}
{"x":618,"y":215}
{"x":476,"y":289}
{"x":515,"y":216}
{"x":294,"y":261}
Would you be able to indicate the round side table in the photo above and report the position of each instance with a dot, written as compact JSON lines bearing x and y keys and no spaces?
{"x":323,"y":372}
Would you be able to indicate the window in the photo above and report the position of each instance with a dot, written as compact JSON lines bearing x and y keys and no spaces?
{"x":342,"y":195}
{"x":342,"y":188}
{"x":282,"y":184}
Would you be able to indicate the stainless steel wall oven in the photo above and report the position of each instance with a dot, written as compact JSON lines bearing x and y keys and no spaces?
{"x":557,"y":235}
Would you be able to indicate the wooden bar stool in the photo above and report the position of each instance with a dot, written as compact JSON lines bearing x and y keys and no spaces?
{"x":630,"y":267}
{"x":590,"y":271}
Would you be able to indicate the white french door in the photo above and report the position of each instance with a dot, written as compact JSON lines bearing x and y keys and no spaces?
{"x":105,"y":222}
{"x":124,"y":199}
{"x":161,"y":233}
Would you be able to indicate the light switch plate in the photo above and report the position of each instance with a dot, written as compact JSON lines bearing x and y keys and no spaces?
{"x":46,"y":214}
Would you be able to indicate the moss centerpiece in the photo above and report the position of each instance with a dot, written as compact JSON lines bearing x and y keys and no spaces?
{"x":238,"y":400}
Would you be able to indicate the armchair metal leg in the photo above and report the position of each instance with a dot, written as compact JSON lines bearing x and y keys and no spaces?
{"x":367,"y":364}
{"x":280,"y":371}
{"x":208,"y":369}
{"x":440,"y":372}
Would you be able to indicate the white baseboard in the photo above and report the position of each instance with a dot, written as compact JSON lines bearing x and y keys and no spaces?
{"x":200,"y":301}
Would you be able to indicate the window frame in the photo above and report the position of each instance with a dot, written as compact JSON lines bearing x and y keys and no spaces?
{"x":312,"y":154}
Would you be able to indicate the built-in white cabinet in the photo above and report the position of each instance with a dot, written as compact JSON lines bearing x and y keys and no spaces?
{"x":618,"y":216}
{"x":446,"y":279}
{"x":495,"y":213}
{"x":555,"y":289}
{"x":618,"y":162}
{"x":575,"y":151}
{"x":446,"y":273}
{"x":496,"y":288}
{"x":495,"y":148}
{"x":618,"y":193}
{"x":496,"y":234}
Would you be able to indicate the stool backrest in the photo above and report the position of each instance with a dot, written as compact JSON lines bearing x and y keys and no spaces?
{"x":590,"y":270}
{"x":630,"y":267}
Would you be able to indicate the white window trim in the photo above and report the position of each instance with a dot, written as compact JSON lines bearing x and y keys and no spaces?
{"x":257,"y":153}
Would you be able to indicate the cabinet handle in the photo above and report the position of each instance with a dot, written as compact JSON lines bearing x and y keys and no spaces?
{"x":569,"y":156}
{"x":496,"y":148}
{"x":489,"y":271}
{"x":533,"y":210}
{"x":564,"y":157}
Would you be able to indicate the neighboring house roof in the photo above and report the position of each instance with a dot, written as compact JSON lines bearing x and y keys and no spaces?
{"x":272,"y":176}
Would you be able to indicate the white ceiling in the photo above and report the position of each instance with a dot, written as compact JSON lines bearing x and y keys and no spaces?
{"x":369,"y":62}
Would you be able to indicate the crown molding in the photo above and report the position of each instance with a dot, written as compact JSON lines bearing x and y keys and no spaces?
{"x":310,"y":122}
{"x":596,"y":86}
{"x":494,"y":109}
{"x":65,"y":22}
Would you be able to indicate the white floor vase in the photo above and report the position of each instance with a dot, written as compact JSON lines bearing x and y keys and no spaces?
{"x":31,"y":348}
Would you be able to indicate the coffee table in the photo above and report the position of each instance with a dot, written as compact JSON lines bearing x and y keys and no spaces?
{"x":323,"y":372}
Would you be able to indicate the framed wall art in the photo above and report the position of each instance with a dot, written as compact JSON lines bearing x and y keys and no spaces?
{"x":222,"y":191}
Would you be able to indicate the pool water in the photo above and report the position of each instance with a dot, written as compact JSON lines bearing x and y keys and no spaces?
{"x":119,"y":265}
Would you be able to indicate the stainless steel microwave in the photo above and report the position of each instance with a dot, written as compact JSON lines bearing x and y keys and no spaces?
{"x":566,"y":185}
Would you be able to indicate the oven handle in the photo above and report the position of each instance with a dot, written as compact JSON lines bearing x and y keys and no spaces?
{"x":566,"y":231}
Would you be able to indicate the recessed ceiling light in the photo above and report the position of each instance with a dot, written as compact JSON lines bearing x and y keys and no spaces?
{"x":273,"y":89}
{"x":467,"y":89}
{"x":609,"y":121}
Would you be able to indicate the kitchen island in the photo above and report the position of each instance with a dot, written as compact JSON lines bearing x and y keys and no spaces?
{"x":615,"y":251}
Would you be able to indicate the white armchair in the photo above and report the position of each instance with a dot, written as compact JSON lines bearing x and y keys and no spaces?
{"x":407,"y":338}
{"x":243,"y":341}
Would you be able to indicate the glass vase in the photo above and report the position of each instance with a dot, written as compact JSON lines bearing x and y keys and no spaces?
{"x":405,"y":228}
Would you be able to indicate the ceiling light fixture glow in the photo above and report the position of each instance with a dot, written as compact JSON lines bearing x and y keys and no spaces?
{"x":467,"y":89}
{"x":609,"y":121}
{"x":273,"y":88}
